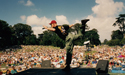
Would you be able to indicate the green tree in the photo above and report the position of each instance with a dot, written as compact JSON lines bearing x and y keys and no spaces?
{"x":46,"y":39}
{"x":122,"y":41}
{"x":5,"y":34}
{"x":120,"y":22}
{"x":117,"y":35}
{"x":93,"y":36}
{"x":105,"y":41}
{"x":51,"y":38}
{"x":116,"y":38}
{"x":21,"y":31}
{"x":40,"y":36}
{"x":31,"y":40}
{"x":13,"y":36}
{"x":113,"y":42}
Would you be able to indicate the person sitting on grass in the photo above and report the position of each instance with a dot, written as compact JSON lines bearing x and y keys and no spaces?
{"x":8,"y":72}
{"x":13,"y":71}
{"x":1,"y":72}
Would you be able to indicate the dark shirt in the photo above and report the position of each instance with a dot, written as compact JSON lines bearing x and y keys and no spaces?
{"x":87,"y":57}
{"x":61,"y":31}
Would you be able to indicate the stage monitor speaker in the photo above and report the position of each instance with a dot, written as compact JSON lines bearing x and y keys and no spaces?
{"x":102,"y":66}
{"x":46,"y":63}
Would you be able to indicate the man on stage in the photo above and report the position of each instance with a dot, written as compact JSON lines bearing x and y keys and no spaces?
{"x":61,"y":31}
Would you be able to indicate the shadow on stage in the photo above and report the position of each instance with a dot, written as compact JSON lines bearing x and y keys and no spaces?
{"x":54,"y":71}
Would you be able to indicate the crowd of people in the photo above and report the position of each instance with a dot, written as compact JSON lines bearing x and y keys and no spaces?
{"x":31,"y":56}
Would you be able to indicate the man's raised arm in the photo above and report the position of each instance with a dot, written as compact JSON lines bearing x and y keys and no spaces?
{"x":51,"y":29}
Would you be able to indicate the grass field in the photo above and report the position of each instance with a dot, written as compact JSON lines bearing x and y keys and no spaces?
{"x":90,"y":52}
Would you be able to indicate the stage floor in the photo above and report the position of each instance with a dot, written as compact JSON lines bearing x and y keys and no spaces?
{"x":51,"y":71}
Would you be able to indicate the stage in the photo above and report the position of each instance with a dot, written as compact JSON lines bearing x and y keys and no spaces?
{"x":51,"y":71}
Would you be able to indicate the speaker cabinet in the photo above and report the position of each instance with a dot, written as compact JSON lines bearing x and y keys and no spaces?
{"x":102,"y":66}
{"x":46,"y":63}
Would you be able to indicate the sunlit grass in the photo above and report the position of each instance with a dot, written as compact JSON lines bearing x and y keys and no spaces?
{"x":90,"y":52}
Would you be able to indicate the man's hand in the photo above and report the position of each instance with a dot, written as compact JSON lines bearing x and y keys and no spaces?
{"x":45,"y":26}
{"x":71,"y":25}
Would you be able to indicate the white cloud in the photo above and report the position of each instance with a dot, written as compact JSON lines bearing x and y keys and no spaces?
{"x":61,"y":19}
{"x":37,"y":22}
{"x":106,"y":8}
{"x":77,"y":21}
{"x":23,"y":17}
{"x":29,"y":3}
{"x":103,"y":17}
{"x":37,"y":30}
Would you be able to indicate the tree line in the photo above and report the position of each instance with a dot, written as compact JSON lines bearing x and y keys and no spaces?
{"x":117,"y":36}
{"x":22,"y":34}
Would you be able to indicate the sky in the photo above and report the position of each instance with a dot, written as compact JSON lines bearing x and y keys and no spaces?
{"x":36,"y":13}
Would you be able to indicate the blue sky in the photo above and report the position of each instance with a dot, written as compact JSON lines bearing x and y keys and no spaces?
{"x":12,"y":10}
{"x":102,"y":13}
